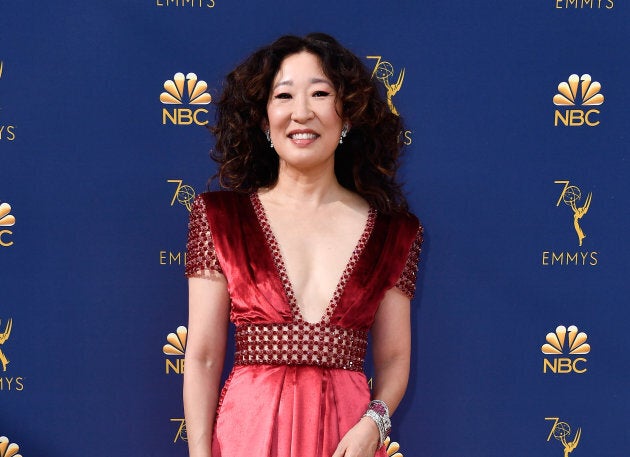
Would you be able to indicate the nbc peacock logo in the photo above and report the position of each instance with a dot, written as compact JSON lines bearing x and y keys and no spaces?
{"x":392,"y":448}
{"x":578,"y":91}
{"x":6,"y":220}
{"x":180,"y":90}
{"x":8,"y":449}
{"x":567,"y":342}
{"x":176,"y":347}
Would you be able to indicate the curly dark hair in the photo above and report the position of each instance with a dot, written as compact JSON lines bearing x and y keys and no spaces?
{"x":365,"y":163}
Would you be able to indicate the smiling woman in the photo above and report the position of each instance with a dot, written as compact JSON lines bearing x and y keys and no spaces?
{"x":303,"y":115}
{"x":308,"y":248}
{"x":371,"y":149}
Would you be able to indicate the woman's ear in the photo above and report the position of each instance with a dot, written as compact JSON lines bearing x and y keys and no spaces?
{"x":346,"y":127}
{"x":264,"y":125}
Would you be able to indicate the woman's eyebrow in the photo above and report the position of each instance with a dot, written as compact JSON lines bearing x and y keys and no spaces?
{"x":288,"y":82}
{"x":320,"y":80}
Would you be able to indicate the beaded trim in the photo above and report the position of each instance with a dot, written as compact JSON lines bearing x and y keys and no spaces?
{"x":201,"y":257}
{"x":407,"y":280}
{"x":224,"y":390}
{"x":300,"y":344}
{"x":274,"y":246}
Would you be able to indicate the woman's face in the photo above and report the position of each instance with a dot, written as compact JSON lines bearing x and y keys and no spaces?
{"x":303,"y":113}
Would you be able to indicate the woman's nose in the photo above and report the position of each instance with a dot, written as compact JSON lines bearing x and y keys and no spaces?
{"x":302,"y":110}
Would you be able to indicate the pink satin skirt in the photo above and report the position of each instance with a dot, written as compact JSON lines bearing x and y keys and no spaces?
{"x":288,"y":411}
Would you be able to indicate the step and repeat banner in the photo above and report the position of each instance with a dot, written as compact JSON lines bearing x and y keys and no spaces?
{"x":515,"y":159}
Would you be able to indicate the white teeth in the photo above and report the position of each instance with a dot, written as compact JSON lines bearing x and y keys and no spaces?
{"x":303,"y":136}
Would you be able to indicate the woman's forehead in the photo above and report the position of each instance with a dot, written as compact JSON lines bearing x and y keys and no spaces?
{"x":304,"y":66}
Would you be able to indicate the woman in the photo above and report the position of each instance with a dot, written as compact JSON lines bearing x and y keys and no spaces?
{"x":310,"y":247}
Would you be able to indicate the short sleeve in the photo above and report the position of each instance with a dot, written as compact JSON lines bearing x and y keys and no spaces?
{"x":407,"y":280}
{"x":201,"y":257}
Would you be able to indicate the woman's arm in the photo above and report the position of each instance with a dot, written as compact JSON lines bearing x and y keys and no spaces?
{"x":391,"y":349}
{"x":208,"y":317}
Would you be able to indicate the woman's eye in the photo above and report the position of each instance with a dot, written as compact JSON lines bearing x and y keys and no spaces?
{"x":282,"y":95}
{"x":321,"y":93}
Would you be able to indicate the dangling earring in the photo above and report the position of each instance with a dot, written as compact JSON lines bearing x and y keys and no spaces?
{"x":268,"y":133}
{"x":344,"y":132}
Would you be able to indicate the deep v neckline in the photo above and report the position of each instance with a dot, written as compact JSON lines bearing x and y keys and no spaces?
{"x":278,"y":259}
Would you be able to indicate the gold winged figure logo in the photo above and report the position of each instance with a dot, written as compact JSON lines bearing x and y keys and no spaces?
{"x":561,"y":431}
{"x":571,"y":195}
{"x":3,"y":337}
{"x":383,"y":70}
{"x":570,"y":445}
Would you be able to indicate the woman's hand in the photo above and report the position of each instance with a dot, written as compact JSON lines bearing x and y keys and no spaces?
{"x":361,"y":440}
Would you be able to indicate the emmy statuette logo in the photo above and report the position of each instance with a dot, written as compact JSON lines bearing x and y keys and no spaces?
{"x":7,"y":132}
{"x":569,"y":343}
{"x":184,"y":194}
{"x":561,"y":431}
{"x":572,"y":196}
{"x":384,"y":72}
{"x":176,"y":347}
{"x":8,"y":449}
{"x":6,"y":220}
{"x":574,"y":92}
{"x":185,"y":89}
{"x":7,"y":382}
{"x":4,"y":336}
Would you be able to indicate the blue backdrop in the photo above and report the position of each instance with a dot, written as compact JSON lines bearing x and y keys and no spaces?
{"x":523,"y":201}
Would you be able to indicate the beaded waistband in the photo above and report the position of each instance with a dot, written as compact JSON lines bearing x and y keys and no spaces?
{"x":300,"y":343}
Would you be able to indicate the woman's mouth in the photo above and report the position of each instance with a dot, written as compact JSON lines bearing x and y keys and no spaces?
{"x":303,"y":138}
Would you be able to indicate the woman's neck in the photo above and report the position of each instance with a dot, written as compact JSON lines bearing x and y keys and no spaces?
{"x":312,"y":189}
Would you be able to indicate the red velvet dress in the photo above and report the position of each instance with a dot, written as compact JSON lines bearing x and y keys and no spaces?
{"x":296,"y":387}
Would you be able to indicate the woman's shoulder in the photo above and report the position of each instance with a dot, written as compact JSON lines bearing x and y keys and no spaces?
{"x":404,"y":218}
{"x":221,"y":197}
{"x":404,"y":228}
{"x":219,"y":204}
